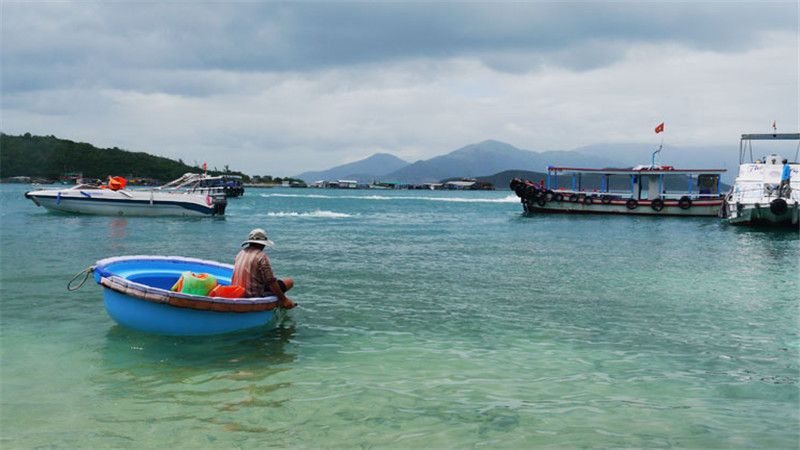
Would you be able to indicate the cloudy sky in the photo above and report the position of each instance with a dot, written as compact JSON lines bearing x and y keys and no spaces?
{"x":279,"y":88}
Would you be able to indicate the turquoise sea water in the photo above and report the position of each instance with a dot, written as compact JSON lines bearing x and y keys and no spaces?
{"x":425,"y":320}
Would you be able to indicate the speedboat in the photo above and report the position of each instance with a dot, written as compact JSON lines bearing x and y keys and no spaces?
{"x":177,"y":198}
{"x":652,"y":190}
{"x":754,"y":199}
{"x":137,"y":293}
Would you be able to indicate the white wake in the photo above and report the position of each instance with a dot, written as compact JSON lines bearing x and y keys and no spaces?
{"x":511,"y":198}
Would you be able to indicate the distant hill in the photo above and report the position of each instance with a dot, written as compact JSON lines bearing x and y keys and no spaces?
{"x":366,"y":170}
{"x":502,"y":179}
{"x":49,"y":157}
{"x":486,"y":159}
{"x":489,"y":157}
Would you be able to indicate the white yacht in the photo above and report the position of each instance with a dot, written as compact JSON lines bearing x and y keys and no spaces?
{"x":754,"y":198}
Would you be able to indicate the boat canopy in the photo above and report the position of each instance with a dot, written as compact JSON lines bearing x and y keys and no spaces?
{"x":643,"y":180}
{"x":771,"y":137}
{"x":664,"y":170}
{"x":746,"y":143}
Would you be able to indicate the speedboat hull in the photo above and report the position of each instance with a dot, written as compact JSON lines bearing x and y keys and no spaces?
{"x":126,"y":202}
{"x":137,"y":295}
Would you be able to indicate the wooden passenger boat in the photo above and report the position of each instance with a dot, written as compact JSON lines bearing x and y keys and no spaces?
{"x":652,"y":190}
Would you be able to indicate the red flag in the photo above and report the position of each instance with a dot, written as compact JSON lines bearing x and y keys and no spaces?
{"x":204,"y":166}
{"x":773,"y":123}
{"x":660,"y":128}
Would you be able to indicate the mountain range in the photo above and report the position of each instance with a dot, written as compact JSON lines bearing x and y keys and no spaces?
{"x":490,"y":157}
{"x":366,"y":170}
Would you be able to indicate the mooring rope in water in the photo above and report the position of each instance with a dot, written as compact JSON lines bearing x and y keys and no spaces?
{"x":85,"y":271}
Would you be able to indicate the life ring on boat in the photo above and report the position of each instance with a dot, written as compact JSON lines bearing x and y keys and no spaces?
{"x":657,"y":204}
{"x":685,"y":202}
{"x":606,"y":199}
{"x":778,"y":206}
{"x":542,"y":200}
{"x":558,"y":198}
{"x":631,"y":204}
{"x":588,"y":200}
{"x":573,"y":198}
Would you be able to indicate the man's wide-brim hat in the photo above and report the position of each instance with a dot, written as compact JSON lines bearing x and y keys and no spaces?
{"x":258,"y":237}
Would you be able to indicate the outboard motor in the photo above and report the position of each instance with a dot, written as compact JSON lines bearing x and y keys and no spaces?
{"x":218,"y":204}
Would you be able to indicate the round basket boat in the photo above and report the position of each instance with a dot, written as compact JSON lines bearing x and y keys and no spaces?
{"x":137,"y":295}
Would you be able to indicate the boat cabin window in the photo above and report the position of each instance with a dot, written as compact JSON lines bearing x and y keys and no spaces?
{"x":707,"y":184}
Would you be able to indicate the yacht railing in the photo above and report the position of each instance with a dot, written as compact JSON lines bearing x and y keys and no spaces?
{"x":768,"y":192}
{"x":186,"y":183}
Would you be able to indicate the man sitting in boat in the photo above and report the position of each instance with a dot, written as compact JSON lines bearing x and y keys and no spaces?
{"x":253,"y":272}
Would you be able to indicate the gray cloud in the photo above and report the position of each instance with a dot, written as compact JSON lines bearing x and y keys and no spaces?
{"x":89,"y":44}
{"x":279,"y":88}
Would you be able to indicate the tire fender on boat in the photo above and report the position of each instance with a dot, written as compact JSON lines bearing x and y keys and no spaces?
{"x":606,"y":199}
{"x":542,"y":200}
{"x":657,"y":204}
{"x":685,"y":202}
{"x":573,"y":198}
{"x":778,"y":206}
{"x":588,"y":200}
{"x":558,"y":198}
{"x":631,"y":204}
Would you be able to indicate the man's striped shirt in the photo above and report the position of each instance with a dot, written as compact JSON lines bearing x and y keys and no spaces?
{"x":252,"y":271}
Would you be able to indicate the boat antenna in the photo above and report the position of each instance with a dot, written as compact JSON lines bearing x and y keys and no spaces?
{"x":659,"y":129}
{"x":653,"y":160}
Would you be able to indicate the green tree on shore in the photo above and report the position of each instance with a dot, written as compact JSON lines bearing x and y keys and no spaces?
{"x":49,"y":157}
